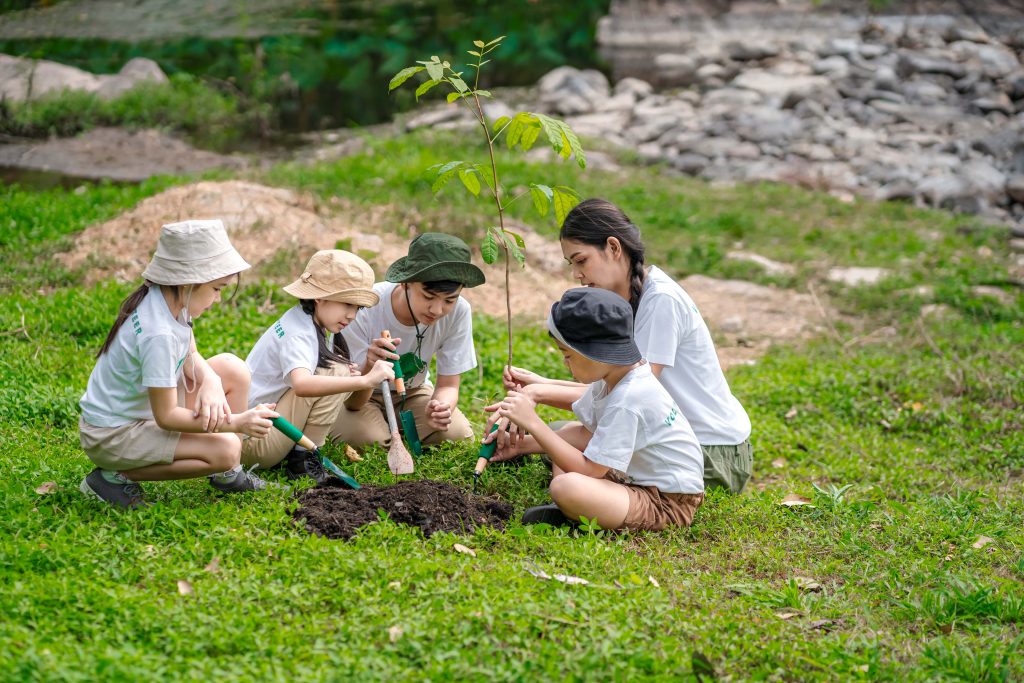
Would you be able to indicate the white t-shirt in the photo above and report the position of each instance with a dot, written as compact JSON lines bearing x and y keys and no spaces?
{"x":670,"y":331}
{"x":450,"y":338}
{"x":288,"y":344}
{"x":148,"y":351}
{"x":639,"y":431}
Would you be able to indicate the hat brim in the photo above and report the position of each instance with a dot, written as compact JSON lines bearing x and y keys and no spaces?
{"x":162,"y":271}
{"x":356,"y":296}
{"x":457,"y":271}
{"x":612,"y":353}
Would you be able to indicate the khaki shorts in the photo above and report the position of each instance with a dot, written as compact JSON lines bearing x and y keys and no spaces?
{"x":728,"y":467}
{"x":128,"y":447}
{"x":653,"y":510}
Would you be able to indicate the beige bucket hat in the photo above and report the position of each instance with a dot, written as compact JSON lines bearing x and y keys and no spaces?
{"x":193,"y":252}
{"x":336,"y":275}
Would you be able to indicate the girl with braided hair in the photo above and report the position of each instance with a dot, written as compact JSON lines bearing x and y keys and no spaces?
{"x":604,"y":250}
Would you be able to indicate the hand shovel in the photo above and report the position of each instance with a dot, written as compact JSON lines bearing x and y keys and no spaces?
{"x":293,"y":433}
{"x":405,"y":417}
{"x":399,"y":460}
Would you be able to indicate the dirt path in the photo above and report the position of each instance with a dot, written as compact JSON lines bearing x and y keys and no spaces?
{"x":277,"y":229}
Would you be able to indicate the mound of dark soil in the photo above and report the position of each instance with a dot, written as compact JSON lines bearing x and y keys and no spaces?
{"x":432,"y":506}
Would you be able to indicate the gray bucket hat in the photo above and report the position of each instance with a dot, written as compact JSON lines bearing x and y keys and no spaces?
{"x":436,"y":256}
{"x":193,"y":252}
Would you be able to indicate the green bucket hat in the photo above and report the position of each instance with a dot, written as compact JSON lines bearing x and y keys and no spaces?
{"x":436,"y":256}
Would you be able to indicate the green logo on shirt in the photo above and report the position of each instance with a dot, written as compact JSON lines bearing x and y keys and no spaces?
{"x":278,"y":329}
{"x":671,"y":417}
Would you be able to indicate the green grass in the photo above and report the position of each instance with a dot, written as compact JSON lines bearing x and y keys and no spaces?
{"x":910,"y":448}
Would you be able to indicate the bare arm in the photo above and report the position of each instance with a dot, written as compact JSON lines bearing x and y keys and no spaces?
{"x":656,"y":369}
{"x":171,"y":417}
{"x":307,"y":385}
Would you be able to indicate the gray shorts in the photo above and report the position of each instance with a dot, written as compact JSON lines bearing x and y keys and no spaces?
{"x":128,"y":447}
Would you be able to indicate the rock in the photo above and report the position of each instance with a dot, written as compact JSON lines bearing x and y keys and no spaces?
{"x":1000,"y":295}
{"x":995,"y":61}
{"x":744,"y":150}
{"x":568,"y":90}
{"x":1015,"y":86}
{"x":1016,"y":244}
{"x":764,"y":124}
{"x":960,"y":32}
{"x":924,"y":92}
{"x":747,"y":51}
{"x":712,"y":73}
{"x":781,"y":87}
{"x":839,"y":47}
{"x":24,"y":79}
{"x":623,"y":102}
{"x":135,"y":71}
{"x":731,"y":325}
{"x":985,"y":178}
{"x":813,"y":151}
{"x":939,"y":311}
{"x":650,"y":152}
{"x":856,"y":276}
{"x":885,"y":78}
{"x":768,"y":265}
{"x":634,"y":86}
{"x":675,"y":69}
{"x":1015,"y":188}
{"x":951,"y":192}
{"x":429,"y":118}
{"x":835,"y":67}
{"x":729,"y":99}
{"x":897,"y":190}
{"x":599,"y":124}
{"x":690,"y":163}
{"x":997,"y":103}
{"x":911,"y":63}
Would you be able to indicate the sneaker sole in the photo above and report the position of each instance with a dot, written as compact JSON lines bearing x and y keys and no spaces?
{"x":87,"y":490}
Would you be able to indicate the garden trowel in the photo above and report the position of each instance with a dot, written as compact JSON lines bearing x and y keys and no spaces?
{"x":405,"y":417}
{"x":293,"y":433}
{"x":399,"y":459}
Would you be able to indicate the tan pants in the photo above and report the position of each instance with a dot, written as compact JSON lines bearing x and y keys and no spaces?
{"x":303,"y":412}
{"x":369,"y":424}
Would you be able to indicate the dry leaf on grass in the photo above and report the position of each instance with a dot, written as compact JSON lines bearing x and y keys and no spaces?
{"x":214,"y":566}
{"x":654,"y":582}
{"x":794,"y":499}
{"x":185,"y":587}
{"x":807,"y":584}
{"x":982,"y":542}
{"x":779,"y":462}
{"x":787,"y":614}
{"x":46,"y":487}
{"x":394,"y":633}
{"x":791,"y":413}
{"x":459,"y":548}
{"x":352,"y":454}
{"x":395,"y":585}
{"x":571,"y":580}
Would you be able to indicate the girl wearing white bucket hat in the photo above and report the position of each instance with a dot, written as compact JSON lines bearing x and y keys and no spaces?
{"x":301,"y":363}
{"x":154,"y":408}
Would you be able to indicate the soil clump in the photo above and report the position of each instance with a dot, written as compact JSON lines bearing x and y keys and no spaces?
{"x":432,"y":506}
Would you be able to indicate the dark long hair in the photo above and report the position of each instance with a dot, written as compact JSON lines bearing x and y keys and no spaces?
{"x":325,"y":356}
{"x":593,"y":221}
{"x":128,"y":306}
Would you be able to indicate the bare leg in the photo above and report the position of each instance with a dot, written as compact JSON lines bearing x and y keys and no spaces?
{"x":579,"y":495}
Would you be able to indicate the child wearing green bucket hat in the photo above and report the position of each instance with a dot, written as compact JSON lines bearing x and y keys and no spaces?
{"x":421,"y":308}
{"x":154,"y":408}
{"x":301,"y":363}
{"x":632,"y":461}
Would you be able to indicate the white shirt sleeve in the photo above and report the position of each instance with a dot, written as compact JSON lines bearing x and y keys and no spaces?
{"x":583,"y":408}
{"x":293,"y":352}
{"x":456,"y":353}
{"x":356,"y":336}
{"x":160,"y":355}
{"x":660,"y":328}
{"x":614,"y":440}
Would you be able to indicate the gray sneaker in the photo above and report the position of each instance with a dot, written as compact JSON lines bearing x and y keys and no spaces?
{"x":126,"y":493}
{"x":244,"y":480}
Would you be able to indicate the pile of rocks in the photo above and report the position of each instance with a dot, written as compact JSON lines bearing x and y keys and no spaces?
{"x":28,"y":79}
{"x":934,"y":115}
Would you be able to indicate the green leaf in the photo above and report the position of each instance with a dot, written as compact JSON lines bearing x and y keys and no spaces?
{"x":553,"y":132}
{"x":500,"y":122}
{"x":529,"y":137}
{"x":489,"y":249}
{"x":470,"y":180}
{"x":495,"y":41}
{"x":483,"y":93}
{"x":520,"y":242}
{"x":474,"y":53}
{"x":479,"y":43}
{"x":484,"y":62}
{"x":488,"y":177}
{"x":435,"y":70}
{"x":444,"y":174}
{"x":514,"y":131}
{"x":459,"y":84}
{"x":403,"y":75}
{"x":515,"y":251}
{"x":564,"y":200}
{"x":425,"y":86}
{"x":574,"y":144}
{"x":452,"y":96}
{"x":541,"y":195}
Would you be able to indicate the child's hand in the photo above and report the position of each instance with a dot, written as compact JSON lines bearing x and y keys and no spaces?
{"x":212,"y":409}
{"x":439,"y":414}
{"x":382,"y":370}
{"x":518,"y":408}
{"x":514,"y":378}
{"x":256,"y":421}
{"x":353,"y":370}
{"x":508,"y":435}
{"x":382,"y":348}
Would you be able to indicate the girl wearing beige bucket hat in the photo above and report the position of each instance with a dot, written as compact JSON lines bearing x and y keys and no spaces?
{"x":301,"y":362}
{"x":154,"y":408}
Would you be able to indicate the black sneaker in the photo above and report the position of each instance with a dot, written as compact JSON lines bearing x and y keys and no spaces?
{"x":243,"y":480}
{"x":547,"y":514}
{"x":126,"y":493}
{"x":298,"y":464}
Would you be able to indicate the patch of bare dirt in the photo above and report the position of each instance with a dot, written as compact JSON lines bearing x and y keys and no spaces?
{"x":277,"y":229}
{"x":115,"y":154}
{"x":431,"y":506}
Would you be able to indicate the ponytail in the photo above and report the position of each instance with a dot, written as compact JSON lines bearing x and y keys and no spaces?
{"x":593,"y":221}
{"x":339,"y":353}
{"x":128,"y":306}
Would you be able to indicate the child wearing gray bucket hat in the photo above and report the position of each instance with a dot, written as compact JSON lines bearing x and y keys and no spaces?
{"x":421,"y":307}
{"x":633,"y":460}
{"x":301,"y":363}
{"x":154,"y":409}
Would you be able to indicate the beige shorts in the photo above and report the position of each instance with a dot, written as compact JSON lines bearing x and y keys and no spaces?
{"x":128,"y":447}
{"x":653,"y":510}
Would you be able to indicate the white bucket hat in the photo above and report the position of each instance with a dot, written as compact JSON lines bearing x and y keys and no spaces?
{"x":193,"y":252}
{"x":336,"y":275}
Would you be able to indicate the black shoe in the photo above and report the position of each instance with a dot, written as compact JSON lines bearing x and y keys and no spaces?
{"x":125,"y":493}
{"x":547,"y":514}
{"x":298,"y":464}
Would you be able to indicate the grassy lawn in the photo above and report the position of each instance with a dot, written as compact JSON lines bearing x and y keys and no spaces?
{"x":910,"y":446}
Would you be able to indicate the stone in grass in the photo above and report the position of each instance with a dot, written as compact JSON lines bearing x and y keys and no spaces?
{"x":856,"y":276}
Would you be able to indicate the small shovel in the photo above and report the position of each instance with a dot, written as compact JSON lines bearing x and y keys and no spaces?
{"x":293,"y":433}
{"x":399,"y":460}
{"x":405,"y":417}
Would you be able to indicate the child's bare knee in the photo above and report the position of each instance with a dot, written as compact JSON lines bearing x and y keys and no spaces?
{"x":231,"y":369}
{"x":566,"y":486}
{"x":225,"y":452}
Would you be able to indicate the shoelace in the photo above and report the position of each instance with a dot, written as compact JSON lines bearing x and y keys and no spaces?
{"x":257,"y":483}
{"x":133,"y":490}
{"x":314,"y":467}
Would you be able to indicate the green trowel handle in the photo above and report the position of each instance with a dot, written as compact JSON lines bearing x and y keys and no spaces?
{"x":487,"y":449}
{"x":293,"y":433}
